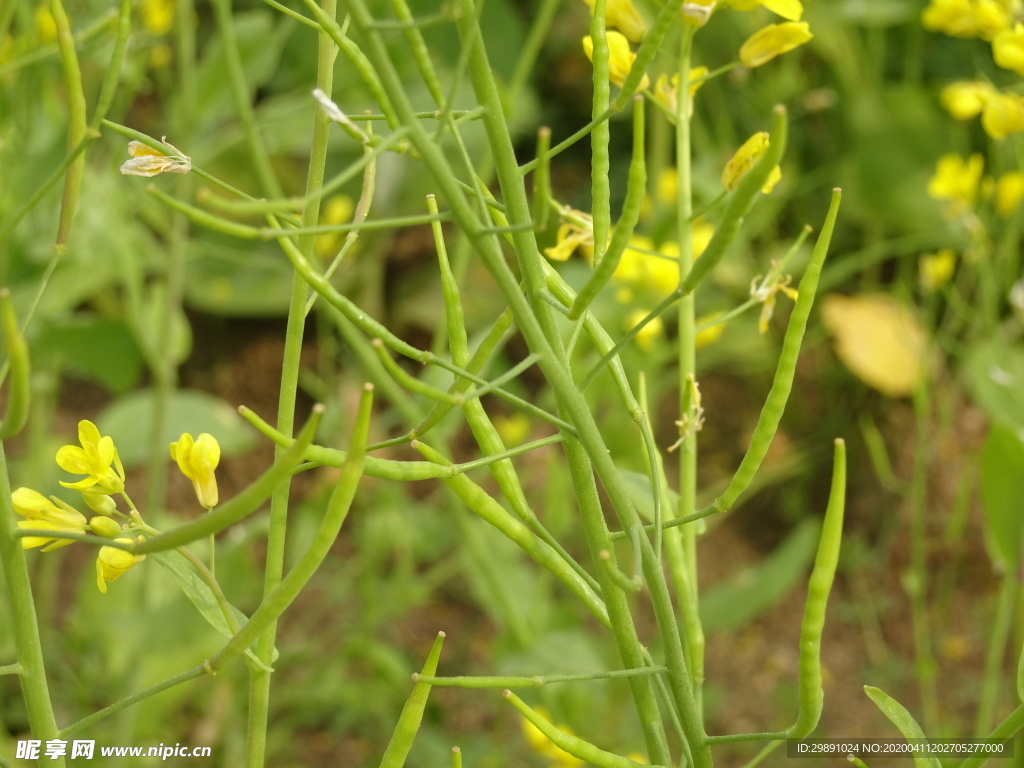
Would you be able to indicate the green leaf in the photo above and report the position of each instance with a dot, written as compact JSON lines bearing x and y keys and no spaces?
{"x":226,"y":279}
{"x":904,"y":721}
{"x":259,"y":47}
{"x":202,"y":597}
{"x":751,"y":591}
{"x":129,"y":420}
{"x":1002,"y":487}
{"x":994,"y":373}
{"x":95,"y":348}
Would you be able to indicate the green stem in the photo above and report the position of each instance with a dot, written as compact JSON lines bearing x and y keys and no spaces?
{"x":682,"y":542}
{"x":259,"y":692}
{"x":24,"y":627}
{"x":993,"y":678}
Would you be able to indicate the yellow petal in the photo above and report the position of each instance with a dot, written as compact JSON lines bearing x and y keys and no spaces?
{"x":774,"y":40}
{"x":878,"y":339}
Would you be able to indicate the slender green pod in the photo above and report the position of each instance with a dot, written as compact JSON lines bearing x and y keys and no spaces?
{"x":542,"y":181}
{"x":373,"y":327}
{"x":900,"y":717}
{"x":242,"y":505}
{"x":412,"y":713}
{"x":536,"y":681}
{"x":77,"y":125}
{"x":388,"y":469}
{"x":484,"y":506}
{"x":411,"y":382}
{"x":600,"y":138}
{"x":635,"y":190}
{"x":113,"y":73}
{"x":667,"y":18}
{"x":16,"y":413}
{"x":490,"y":343}
{"x":278,"y":600}
{"x":812,"y":697}
{"x":782,"y":384}
{"x":742,"y":198}
{"x":574,"y":745}
{"x":205,"y":218}
{"x":1007,"y":729}
{"x":420,"y":52}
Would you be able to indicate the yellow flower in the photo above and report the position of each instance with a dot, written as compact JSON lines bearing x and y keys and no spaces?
{"x":1003,"y":115}
{"x":1008,"y":49}
{"x":338,"y":209}
{"x":645,"y":336}
{"x":620,"y":58}
{"x":650,"y":269}
{"x":97,"y":458}
{"x":542,"y":745}
{"x":878,"y":340}
{"x":957,"y":180}
{"x":952,"y":17}
{"x":967,"y":99}
{"x":623,"y":16}
{"x":45,"y":514}
{"x":666,"y":90}
{"x":746,"y":157}
{"x":1009,"y":191}
{"x":111,"y":563}
{"x":774,"y":40}
{"x":513,"y":429}
{"x":935,"y":269}
{"x":791,"y":10}
{"x":701,"y":235}
{"x":197,"y":459}
{"x":146,"y":161}
{"x":157,"y":16}
{"x":712,"y":333}
{"x":991,"y":18}
{"x":46,"y":26}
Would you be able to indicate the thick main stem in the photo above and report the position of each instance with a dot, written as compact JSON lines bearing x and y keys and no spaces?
{"x":259,"y":690}
{"x":25,"y":627}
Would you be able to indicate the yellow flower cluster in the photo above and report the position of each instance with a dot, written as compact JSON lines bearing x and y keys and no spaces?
{"x":970,"y":18}
{"x":960,"y":182}
{"x":626,"y":25}
{"x":97,"y":458}
{"x":996,"y":21}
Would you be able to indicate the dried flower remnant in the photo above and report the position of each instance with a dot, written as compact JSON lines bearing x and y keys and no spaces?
{"x":146,"y":161}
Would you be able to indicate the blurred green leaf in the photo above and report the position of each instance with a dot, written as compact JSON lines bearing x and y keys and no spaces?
{"x":202,"y":597}
{"x":95,"y":348}
{"x":994,"y":373}
{"x":903,"y":720}
{"x":259,"y":44}
{"x":1002,"y":488}
{"x":228,"y":279}
{"x":751,"y":591}
{"x":129,"y":420}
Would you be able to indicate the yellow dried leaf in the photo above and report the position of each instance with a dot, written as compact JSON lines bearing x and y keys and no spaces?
{"x":878,"y":339}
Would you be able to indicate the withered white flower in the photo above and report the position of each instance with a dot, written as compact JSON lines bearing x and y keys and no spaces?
{"x":335,"y":114}
{"x":146,"y":161}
